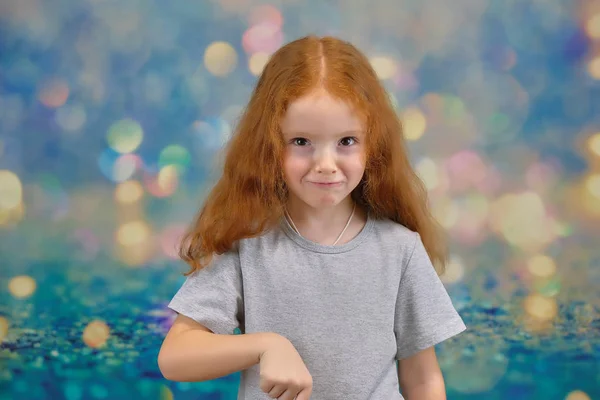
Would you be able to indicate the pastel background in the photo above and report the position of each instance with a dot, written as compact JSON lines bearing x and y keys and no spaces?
{"x":112,"y":115}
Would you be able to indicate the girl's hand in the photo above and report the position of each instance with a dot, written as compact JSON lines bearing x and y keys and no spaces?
{"x":283,"y":374}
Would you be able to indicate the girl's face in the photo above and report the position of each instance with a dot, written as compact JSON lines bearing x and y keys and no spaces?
{"x":325,"y":153}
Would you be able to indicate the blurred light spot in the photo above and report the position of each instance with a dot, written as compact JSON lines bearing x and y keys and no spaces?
{"x":22,"y":286}
{"x":167,"y":181}
{"x":266,"y":13}
{"x":133,"y":233}
{"x":211,"y":134}
{"x":71,"y":118}
{"x":11,"y":190}
{"x":220,"y":58}
{"x":428,"y":171}
{"x":503,"y":114}
{"x":454,"y":108}
{"x":265,"y":37}
{"x":93,"y":86}
{"x":385,"y":67}
{"x":498,"y":122}
{"x":584,"y":197}
{"x":541,"y":266}
{"x":98,"y":391}
{"x":50,"y":183}
{"x":3,"y":328}
{"x":414,"y":123}
{"x":434,"y":106}
{"x":594,"y":68}
{"x":592,"y":26}
{"x":465,"y":170}
{"x":541,"y":308}
{"x":106,"y":163}
{"x":118,"y":167}
{"x":594,"y":144}
{"x":492,"y":182}
{"x":48,"y":197}
{"x":96,"y":334}
{"x":563,"y":229}
{"x":478,"y":367}
{"x":476,"y":205}
{"x":445,"y":212}
{"x":455,"y":270}
{"x":548,"y":287}
{"x":198,"y":86}
{"x":12,"y":215}
{"x":577,"y":395}
{"x":54,"y":93}
{"x":175,"y":155}
{"x":165,"y":393}
{"x":138,"y":254}
{"x":405,"y":79}
{"x":170,"y":240}
{"x":125,"y":136}
{"x":257,"y":62}
{"x":473,"y":217}
{"x":592,"y":184}
{"x":125,"y":167}
{"x":522,"y":220}
{"x":129,"y":192}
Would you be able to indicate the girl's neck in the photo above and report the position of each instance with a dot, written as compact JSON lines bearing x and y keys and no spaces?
{"x":324,"y":225}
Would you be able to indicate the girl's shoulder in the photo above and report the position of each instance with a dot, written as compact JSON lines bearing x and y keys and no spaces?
{"x":392,"y":229}
{"x":269,"y":235}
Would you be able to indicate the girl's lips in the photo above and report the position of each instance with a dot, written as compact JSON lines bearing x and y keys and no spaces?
{"x":326,"y":184}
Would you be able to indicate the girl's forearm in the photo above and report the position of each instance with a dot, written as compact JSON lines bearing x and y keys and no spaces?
{"x":196,"y":356}
{"x":434,"y":389}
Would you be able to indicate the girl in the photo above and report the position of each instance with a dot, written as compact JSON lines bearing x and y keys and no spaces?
{"x":317,"y":243}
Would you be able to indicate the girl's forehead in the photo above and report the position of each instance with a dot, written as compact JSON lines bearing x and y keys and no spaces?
{"x":320,"y":113}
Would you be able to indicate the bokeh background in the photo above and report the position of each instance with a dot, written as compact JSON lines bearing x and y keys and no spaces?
{"x":112,"y":116}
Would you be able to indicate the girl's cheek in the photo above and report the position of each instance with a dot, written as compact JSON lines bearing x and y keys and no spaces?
{"x":293,"y":163}
{"x":351,"y":151}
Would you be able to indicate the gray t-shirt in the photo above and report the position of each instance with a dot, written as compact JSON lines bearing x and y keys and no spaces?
{"x":350,"y":310}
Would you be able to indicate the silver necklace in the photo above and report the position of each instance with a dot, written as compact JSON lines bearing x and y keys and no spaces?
{"x":289,"y":217}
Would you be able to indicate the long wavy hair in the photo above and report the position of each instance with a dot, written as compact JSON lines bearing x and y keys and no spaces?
{"x":249,"y":197}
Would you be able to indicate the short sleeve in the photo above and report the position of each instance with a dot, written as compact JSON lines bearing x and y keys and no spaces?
{"x":425,"y":315}
{"x":212,"y":296}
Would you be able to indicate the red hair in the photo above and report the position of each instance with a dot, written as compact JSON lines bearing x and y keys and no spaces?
{"x":249,"y":197}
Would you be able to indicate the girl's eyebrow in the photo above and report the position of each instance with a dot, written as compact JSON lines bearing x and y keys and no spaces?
{"x":344,"y":133}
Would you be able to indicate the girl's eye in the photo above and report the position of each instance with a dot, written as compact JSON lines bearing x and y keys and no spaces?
{"x":299,"y":142}
{"x":348,"y":141}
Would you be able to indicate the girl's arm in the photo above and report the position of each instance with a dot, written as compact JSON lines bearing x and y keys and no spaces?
{"x":420,"y":377}
{"x":192,"y":353}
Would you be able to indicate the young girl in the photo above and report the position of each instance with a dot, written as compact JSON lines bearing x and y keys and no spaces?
{"x":317,"y":243}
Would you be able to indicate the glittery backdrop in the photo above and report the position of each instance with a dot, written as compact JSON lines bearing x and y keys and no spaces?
{"x":112,"y":114}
